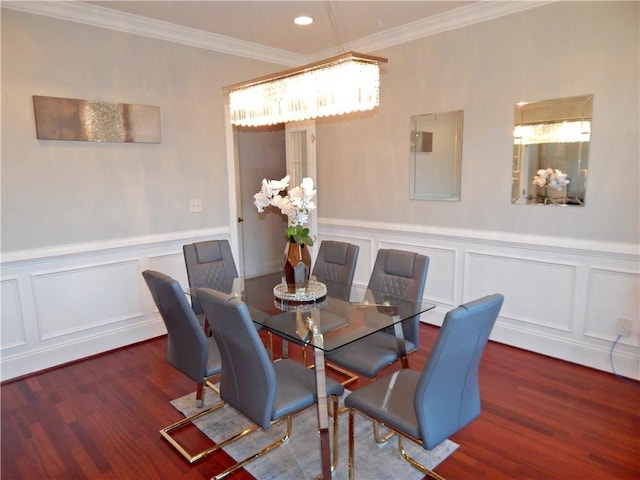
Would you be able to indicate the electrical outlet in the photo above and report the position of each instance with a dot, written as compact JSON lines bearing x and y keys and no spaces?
{"x":623,"y":327}
{"x":195,"y":205}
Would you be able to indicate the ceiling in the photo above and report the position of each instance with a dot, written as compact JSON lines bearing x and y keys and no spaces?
{"x":264,"y":30}
{"x":270,"y":23}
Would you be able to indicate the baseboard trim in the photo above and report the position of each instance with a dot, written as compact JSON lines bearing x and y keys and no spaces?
{"x":36,"y":360}
{"x":568,"y":350}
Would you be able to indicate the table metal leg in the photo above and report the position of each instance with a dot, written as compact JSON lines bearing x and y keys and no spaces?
{"x":402,"y":348}
{"x":323,"y":412}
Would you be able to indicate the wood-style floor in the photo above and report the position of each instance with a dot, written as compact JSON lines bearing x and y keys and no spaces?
{"x":99,"y":419}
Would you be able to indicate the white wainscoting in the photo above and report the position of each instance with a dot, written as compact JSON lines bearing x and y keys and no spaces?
{"x":562,"y":296}
{"x":63,"y":304}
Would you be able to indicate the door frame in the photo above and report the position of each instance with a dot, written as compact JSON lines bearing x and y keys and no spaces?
{"x":233,"y":176}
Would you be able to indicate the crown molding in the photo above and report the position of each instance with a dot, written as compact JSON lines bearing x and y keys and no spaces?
{"x":101,"y":17}
{"x":460,"y":17}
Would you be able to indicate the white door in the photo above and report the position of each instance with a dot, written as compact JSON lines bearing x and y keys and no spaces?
{"x":261,"y":154}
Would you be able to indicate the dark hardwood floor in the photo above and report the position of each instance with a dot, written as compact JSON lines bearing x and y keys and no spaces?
{"x":99,"y":419}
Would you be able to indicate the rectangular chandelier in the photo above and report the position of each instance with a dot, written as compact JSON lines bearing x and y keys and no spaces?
{"x":556,"y":132}
{"x":335,"y":86}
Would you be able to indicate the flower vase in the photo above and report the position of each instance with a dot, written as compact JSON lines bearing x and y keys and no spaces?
{"x":546,"y":198}
{"x":297,"y":267}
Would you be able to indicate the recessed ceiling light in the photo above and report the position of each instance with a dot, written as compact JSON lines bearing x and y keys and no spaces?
{"x":303,"y":20}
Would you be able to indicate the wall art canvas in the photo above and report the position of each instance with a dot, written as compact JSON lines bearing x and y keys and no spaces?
{"x":95,"y":121}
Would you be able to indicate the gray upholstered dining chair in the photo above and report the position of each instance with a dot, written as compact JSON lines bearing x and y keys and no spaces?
{"x":428,"y":407}
{"x":264,"y":392}
{"x":210,"y":264}
{"x":397,"y":273}
{"x":188,"y":349}
{"x":335,"y":266}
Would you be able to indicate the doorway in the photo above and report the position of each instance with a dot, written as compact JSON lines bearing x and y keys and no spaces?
{"x":253,"y":154}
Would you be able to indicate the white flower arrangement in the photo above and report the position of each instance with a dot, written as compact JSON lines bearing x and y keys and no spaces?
{"x":549,"y":177}
{"x":296,"y":205}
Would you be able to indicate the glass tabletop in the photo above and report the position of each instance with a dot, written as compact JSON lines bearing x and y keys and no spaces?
{"x":340,"y":321}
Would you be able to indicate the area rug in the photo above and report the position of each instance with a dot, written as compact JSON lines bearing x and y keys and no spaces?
{"x":299,"y":458}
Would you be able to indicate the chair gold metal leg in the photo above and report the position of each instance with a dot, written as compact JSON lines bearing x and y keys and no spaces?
{"x":191,"y":458}
{"x":405,"y":456}
{"x":277,"y":443}
{"x":201,"y":391}
{"x":336,"y":418}
{"x":376,"y":433}
{"x":352,"y":465}
{"x":351,"y":377}
{"x":414,"y":463}
{"x":213,"y":386}
{"x":270,"y":345}
{"x":258,"y":454}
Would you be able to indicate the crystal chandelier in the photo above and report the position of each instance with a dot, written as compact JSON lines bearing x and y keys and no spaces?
{"x":343,"y":84}
{"x":558,"y":132}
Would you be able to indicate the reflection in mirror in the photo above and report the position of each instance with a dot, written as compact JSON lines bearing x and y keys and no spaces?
{"x":551,"y":151}
{"x":436,"y":156}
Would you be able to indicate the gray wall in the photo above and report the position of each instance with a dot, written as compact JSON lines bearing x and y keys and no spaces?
{"x":56,"y":193}
{"x":558,"y":50}
{"x":63,"y":192}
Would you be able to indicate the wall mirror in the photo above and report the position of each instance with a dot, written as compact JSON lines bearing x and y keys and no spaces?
{"x":551,"y":151}
{"x":436,"y":156}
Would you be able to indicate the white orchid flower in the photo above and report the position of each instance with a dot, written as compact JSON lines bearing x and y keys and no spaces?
{"x":261,"y":201}
{"x":279,"y":201}
{"x":285,"y":205}
{"x":278,"y":185}
{"x":307,"y":185}
{"x":549,"y":177}
{"x":539,"y":181}
{"x":296,"y":195}
{"x":266,"y":188}
{"x":296,"y":205}
{"x":292,"y":213}
{"x":307,"y":189}
{"x":558,"y":180}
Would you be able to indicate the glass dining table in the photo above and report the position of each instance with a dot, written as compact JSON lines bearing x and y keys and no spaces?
{"x":314,"y":318}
